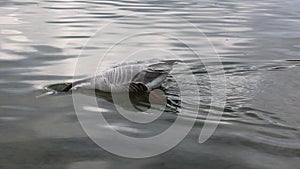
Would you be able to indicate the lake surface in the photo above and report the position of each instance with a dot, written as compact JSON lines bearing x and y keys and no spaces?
{"x":258,"y":43}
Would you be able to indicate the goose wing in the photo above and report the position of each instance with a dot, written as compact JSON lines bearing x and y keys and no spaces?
{"x":152,"y":77}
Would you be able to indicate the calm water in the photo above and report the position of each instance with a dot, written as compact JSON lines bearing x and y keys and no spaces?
{"x":257,"y":41}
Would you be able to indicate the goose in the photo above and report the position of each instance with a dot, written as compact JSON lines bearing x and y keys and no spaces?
{"x":132,"y":77}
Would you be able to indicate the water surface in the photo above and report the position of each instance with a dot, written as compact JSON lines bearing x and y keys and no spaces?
{"x":257,"y":41}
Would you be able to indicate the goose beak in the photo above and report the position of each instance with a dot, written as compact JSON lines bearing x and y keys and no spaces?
{"x":45,"y":94}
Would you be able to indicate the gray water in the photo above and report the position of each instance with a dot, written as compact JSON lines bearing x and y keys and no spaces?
{"x":258,"y":43}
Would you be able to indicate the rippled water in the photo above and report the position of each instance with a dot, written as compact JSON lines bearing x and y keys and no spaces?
{"x":257,"y":41}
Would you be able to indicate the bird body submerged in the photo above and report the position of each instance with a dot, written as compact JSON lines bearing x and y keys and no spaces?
{"x":131,"y":76}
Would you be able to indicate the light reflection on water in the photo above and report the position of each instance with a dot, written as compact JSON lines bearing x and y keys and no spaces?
{"x":257,"y":42}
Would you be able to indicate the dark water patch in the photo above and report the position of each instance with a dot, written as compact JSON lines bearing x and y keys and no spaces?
{"x":260,"y":146}
{"x":47,"y":49}
{"x":50,"y":151}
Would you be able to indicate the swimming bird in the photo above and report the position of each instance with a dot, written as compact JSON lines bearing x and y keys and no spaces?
{"x":133,"y":77}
